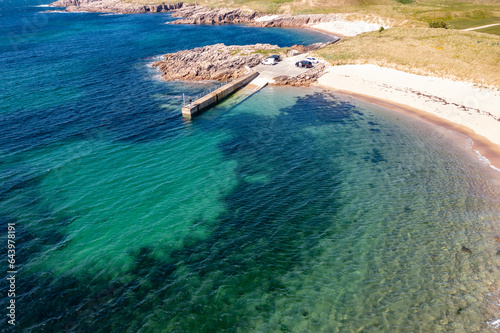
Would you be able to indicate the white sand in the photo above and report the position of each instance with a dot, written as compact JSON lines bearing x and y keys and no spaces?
{"x":347,"y":28}
{"x":334,"y":24}
{"x":266,"y":18}
{"x":458,"y":102}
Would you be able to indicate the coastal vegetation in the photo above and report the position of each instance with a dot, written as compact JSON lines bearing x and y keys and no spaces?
{"x":490,"y":30}
{"x":463,"y":55}
{"x":410,"y":44}
{"x":402,"y":13}
{"x":281,"y":51}
{"x":410,"y":13}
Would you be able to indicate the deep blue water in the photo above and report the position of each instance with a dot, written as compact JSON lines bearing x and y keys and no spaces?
{"x":297,"y":210}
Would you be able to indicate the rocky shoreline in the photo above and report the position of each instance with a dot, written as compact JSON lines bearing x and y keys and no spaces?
{"x":213,"y":62}
{"x":192,"y":14}
{"x":289,"y":21}
{"x":204,"y":15}
{"x":221,"y":62}
{"x":302,"y":80}
{"x":335,"y":24}
{"x":113,"y":6}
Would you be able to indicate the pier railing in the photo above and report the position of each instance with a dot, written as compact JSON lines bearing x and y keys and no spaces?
{"x":188,"y":99}
{"x":214,"y":97}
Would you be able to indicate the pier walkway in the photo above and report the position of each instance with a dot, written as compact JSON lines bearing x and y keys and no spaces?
{"x":257,"y":78}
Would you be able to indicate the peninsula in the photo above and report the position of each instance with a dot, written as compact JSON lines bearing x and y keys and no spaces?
{"x":424,"y":55}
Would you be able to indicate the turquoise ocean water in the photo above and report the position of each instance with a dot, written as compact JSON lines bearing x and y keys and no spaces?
{"x":296,"y":210}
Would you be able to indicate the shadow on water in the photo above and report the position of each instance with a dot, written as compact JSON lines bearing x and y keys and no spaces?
{"x":63,"y":83}
{"x":271,"y":227}
{"x":287,"y":201}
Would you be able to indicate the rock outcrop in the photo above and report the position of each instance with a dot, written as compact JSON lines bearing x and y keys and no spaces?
{"x":327,"y":22}
{"x":220,"y":63}
{"x":214,"y":62}
{"x":113,"y":6}
{"x":204,"y":15}
{"x":301,"y":80}
{"x":289,"y":21}
{"x":298,"y":49}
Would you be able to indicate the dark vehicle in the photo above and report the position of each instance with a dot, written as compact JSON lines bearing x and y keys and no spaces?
{"x":275,"y":57}
{"x":304,"y":63}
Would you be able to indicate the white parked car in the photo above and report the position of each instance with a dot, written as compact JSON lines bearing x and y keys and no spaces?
{"x":312,"y":59}
{"x":269,"y":61}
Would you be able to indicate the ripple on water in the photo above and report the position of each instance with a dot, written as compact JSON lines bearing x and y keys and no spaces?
{"x":288,"y":211}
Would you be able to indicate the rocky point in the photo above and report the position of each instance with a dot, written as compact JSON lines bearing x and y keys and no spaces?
{"x":213,"y":62}
{"x":114,"y":6}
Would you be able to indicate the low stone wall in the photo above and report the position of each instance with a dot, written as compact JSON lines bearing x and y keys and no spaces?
{"x":216,"y":96}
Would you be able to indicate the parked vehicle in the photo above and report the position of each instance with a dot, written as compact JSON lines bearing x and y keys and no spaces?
{"x":276,"y":57}
{"x":313,"y":60}
{"x":304,"y":63}
{"x":269,"y":61}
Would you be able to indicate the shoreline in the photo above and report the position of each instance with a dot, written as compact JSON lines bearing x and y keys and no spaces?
{"x":326,"y":32}
{"x":480,"y":144}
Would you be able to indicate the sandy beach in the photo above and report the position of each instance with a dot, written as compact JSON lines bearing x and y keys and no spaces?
{"x":463,"y":107}
{"x":342,"y":27}
{"x":460,"y":106}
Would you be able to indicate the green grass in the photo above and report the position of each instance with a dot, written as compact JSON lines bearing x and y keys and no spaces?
{"x":411,"y":45}
{"x":463,"y":55}
{"x":265,"y":6}
{"x":280,"y":51}
{"x":464,"y":23}
{"x":491,"y":30}
{"x":411,"y":13}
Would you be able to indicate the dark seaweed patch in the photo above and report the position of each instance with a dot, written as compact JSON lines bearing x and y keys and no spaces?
{"x":377,"y":156}
{"x":250,"y":249}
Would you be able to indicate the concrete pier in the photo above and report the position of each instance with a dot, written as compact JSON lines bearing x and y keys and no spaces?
{"x":257,"y":78}
{"x":216,"y":96}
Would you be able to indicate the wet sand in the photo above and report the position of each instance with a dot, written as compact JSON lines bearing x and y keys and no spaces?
{"x":442,"y":102}
{"x":483,"y":145}
{"x":480,"y":143}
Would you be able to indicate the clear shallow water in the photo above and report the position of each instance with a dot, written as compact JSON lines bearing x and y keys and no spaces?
{"x":295,"y":210}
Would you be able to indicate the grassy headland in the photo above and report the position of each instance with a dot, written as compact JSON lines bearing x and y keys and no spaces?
{"x":410,"y":45}
{"x":460,"y":14}
{"x":463,"y":55}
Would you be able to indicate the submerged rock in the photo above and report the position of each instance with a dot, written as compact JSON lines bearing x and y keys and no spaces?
{"x":466,"y":249}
